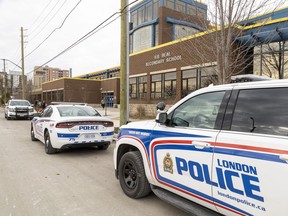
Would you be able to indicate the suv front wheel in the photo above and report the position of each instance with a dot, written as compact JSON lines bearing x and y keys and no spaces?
{"x":132,"y":175}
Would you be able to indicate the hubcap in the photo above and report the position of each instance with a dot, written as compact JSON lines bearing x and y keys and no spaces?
{"x":130,"y":175}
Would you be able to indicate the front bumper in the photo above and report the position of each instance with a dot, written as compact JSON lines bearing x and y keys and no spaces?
{"x":18,"y":115}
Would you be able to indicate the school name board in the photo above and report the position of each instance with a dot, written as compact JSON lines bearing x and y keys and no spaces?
{"x":163,"y":58}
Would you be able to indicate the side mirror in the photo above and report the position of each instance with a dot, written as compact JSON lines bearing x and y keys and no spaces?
{"x":160,"y":106}
{"x":162,"y":118}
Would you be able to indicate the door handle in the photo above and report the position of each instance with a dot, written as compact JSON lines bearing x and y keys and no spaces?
{"x":200,"y":145}
{"x":284,"y":157}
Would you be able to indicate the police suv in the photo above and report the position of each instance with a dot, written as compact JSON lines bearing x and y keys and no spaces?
{"x":220,"y":150}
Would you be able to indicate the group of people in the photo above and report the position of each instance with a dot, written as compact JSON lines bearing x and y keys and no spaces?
{"x":39,"y":105}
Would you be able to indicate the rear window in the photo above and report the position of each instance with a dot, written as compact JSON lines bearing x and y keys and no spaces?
{"x":262,"y":111}
{"x":77,"y":111}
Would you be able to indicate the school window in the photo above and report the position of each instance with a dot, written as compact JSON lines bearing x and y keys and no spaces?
{"x":148,"y":12}
{"x":208,"y":76}
{"x":189,"y":81}
{"x":155,"y":9}
{"x":142,"y":38}
{"x":169,"y":85}
{"x":156,"y":86}
{"x":180,"y":6}
{"x":142,"y":84}
{"x":140,"y":15}
{"x":170,"y":4}
{"x":181,"y":31}
{"x":191,"y":10}
{"x":132,"y":88}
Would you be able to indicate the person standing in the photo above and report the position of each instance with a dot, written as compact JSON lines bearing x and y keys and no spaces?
{"x":103,"y":103}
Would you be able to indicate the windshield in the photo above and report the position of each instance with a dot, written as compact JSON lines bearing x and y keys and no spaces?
{"x":77,"y":111}
{"x":19,"y":103}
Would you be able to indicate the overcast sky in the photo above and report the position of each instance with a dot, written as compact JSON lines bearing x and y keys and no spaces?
{"x":41,"y":17}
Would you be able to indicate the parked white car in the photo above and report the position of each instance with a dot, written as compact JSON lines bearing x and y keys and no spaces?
{"x":68,"y":126}
{"x":17,"y":108}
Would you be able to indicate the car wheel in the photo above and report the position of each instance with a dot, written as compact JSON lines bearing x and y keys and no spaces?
{"x":8,"y":118}
{"x":103,"y":147}
{"x":32,"y":134}
{"x":48,"y":147}
{"x":132,"y":176}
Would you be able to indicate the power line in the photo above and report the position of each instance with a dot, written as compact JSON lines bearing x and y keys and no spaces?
{"x":31,"y":33}
{"x":87,"y":35}
{"x":40,"y":14}
{"x":54,"y":29}
{"x":49,"y":20}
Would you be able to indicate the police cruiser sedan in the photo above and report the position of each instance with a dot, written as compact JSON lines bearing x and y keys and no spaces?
{"x":67,"y":126}
{"x":223,"y":147}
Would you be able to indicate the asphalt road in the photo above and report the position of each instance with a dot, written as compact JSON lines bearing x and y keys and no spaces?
{"x":75,"y":182}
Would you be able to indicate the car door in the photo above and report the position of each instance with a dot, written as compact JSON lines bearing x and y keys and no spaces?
{"x":250,"y":161}
{"x":182,"y":150}
{"x":42,"y":122}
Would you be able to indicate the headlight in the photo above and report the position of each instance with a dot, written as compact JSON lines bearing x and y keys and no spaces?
{"x":31,"y":109}
{"x":11,"y":109}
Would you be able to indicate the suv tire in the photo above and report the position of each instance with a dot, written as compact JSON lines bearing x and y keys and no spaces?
{"x":132,"y":175}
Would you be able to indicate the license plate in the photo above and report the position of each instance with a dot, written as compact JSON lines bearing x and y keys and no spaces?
{"x":89,"y":136}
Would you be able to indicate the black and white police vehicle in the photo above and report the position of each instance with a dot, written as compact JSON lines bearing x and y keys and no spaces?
{"x":17,"y":108}
{"x":224,"y":148}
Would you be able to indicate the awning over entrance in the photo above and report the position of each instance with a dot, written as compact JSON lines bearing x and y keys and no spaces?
{"x":264,"y":37}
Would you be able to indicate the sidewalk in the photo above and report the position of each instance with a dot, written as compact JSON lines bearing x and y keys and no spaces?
{"x":112,"y":113}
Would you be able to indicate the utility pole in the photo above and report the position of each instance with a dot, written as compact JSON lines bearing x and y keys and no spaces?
{"x":124,"y":110}
{"x":22,"y":54}
{"x":5,"y":82}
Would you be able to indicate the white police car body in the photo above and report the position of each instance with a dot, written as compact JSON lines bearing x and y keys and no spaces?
{"x":68,"y":126}
{"x":17,"y":108}
{"x":223,"y":147}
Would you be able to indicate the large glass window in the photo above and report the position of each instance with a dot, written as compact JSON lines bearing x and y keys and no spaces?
{"x":142,"y":83}
{"x":156,"y":8}
{"x":140,"y":15}
{"x":262,"y":111}
{"x":156,"y":33}
{"x":142,"y":38}
{"x":149,"y":12}
{"x":132,"y":88}
{"x":191,"y":10}
{"x":180,"y":6}
{"x":199,"y":112}
{"x":189,"y":81}
{"x":134,"y":18}
{"x":170,"y":85}
{"x":170,"y":4}
{"x":201,"y":13}
{"x":156,"y":86}
{"x":270,"y":64}
{"x":208,"y":76}
{"x":181,"y":31}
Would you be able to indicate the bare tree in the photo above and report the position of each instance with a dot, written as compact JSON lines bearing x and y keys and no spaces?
{"x":219,"y":45}
{"x":273,"y":60}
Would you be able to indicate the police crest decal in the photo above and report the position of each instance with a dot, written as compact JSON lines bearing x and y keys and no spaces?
{"x":168,"y":164}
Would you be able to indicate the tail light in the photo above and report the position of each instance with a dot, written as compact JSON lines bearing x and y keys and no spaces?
{"x":72,"y":124}
{"x":65,"y":125}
